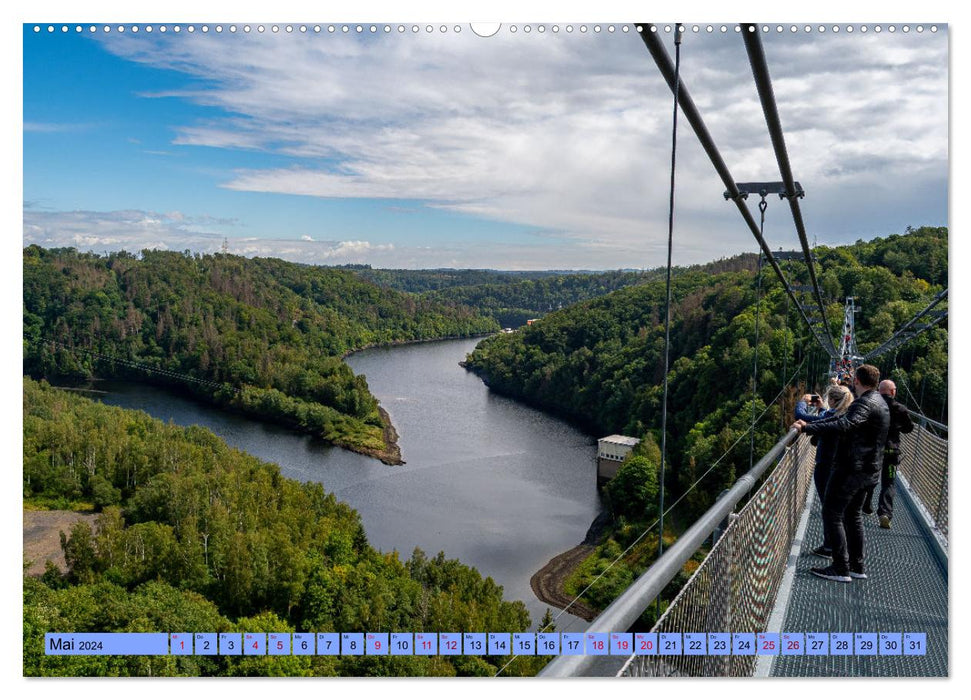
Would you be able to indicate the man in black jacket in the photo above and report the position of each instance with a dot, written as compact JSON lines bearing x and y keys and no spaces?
{"x":899,"y":423}
{"x":859,"y":459}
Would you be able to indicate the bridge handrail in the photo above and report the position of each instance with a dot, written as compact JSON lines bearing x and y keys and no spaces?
{"x":924,"y":465}
{"x":625,"y":610}
{"x":920,"y":417}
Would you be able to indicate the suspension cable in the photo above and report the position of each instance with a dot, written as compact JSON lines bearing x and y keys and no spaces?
{"x":654,"y":45}
{"x":913,"y":398}
{"x":144,"y":368}
{"x":667,"y":304}
{"x":785,"y":340}
{"x":908,"y":331}
{"x":755,"y":361}
{"x":901,"y":373}
{"x":763,"y":82}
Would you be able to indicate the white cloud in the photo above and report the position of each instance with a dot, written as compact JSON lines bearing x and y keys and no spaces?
{"x":131,"y":229}
{"x":138,"y":230}
{"x":572,"y":133}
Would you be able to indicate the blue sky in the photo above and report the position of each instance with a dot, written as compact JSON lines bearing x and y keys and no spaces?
{"x":522,"y":151}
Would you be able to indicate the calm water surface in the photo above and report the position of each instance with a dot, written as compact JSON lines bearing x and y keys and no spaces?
{"x":491,"y":482}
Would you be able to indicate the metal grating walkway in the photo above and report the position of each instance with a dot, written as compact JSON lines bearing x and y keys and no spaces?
{"x":906,"y":592}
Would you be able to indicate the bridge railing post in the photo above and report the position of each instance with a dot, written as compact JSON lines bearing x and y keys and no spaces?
{"x":941,"y":501}
{"x":915,"y":477}
{"x":794,"y":488}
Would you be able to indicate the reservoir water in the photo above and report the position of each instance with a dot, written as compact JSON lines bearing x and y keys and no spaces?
{"x":489,"y":481}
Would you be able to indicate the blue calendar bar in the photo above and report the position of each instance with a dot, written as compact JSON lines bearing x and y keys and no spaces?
{"x":669,"y":643}
{"x":524,"y":643}
{"x":352,"y":644}
{"x":230,"y":643}
{"x":743,"y":644}
{"x":254,"y":644}
{"x":426,"y":643}
{"x":500,"y":643}
{"x":597,"y":644}
{"x":866,"y":643}
{"x":488,"y":644}
{"x":841,"y":644}
{"x":106,"y":643}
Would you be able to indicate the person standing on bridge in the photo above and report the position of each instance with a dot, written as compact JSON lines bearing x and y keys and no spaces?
{"x":859,"y":458}
{"x":838,"y":398}
{"x":899,"y":423}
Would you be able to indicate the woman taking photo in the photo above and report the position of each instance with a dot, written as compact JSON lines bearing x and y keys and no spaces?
{"x":838,"y":399}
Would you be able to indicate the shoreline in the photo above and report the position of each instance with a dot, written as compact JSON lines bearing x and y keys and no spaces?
{"x":392,"y":454}
{"x":548,"y":582}
{"x":399,"y":343}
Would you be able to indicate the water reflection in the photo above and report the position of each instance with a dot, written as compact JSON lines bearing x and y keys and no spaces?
{"x":496,"y":484}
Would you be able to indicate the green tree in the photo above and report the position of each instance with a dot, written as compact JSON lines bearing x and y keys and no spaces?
{"x":633,"y":492}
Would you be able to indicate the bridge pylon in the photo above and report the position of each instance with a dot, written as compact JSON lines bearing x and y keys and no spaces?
{"x":849,"y":358}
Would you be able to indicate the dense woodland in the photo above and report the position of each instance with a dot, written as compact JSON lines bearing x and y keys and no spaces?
{"x":420,"y":281}
{"x":195,"y":536}
{"x":600,"y":364}
{"x":269,"y":335}
{"x":512,"y":298}
{"x":512,"y":303}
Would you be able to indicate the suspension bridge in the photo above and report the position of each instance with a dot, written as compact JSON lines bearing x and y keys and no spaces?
{"x":755,"y":578}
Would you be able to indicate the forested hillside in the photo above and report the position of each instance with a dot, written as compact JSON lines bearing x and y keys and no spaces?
{"x":600,"y":363}
{"x":195,"y":536}
{"x":270,"y":335}
{"x":420,"y":281}
{"x":509,"y":297}
{"x":512,"y":302}
{"x":512,"y":298}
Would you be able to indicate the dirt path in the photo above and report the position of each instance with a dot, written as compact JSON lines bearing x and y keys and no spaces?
{"x":547,"y":583}
{"x":42,"y":536}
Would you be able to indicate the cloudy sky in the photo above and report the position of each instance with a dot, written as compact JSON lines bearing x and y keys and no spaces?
{"x":524,"y":150}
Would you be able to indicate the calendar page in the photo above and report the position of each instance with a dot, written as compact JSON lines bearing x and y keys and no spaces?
{"x":431,"y":347}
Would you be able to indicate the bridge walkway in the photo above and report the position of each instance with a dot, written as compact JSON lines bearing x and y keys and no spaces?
{"x":906,"y":591}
